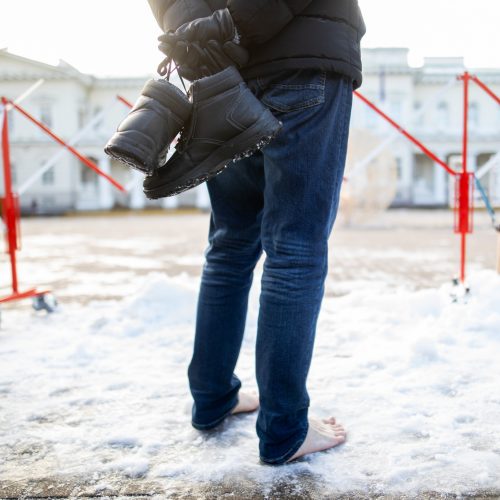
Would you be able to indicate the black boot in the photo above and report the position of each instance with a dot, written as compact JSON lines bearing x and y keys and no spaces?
{"x":143,"y":137}
{"x":227,"y":123}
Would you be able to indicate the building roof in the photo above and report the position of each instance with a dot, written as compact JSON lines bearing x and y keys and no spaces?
{"x":14,"y":67}
{"x":394,"y":61}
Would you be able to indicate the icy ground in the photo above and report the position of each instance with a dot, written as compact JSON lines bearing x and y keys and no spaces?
{"x":100,"y":390}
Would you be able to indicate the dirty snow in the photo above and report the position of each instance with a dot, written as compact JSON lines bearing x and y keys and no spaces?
{"x":413,"y":376}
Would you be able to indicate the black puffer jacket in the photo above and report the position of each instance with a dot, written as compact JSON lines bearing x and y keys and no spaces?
{"x":283,"y":34}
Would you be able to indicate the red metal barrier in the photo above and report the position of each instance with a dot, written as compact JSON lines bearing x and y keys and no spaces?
{"x":404,"y":132}
{"x":10,"y":202}
{"x":464,"y":207}
{"x":10,"y":216}
{"x":82,"y":158}
{"x":483,"y":86}
{"x":125,"y":101}
{"x":464,"y":181}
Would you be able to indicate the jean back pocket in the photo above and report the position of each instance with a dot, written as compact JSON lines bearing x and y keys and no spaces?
{"x":293,"y":90}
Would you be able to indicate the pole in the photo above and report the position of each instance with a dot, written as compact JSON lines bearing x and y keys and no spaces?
{"x":9,"y":208}
{"x":465,"y":196}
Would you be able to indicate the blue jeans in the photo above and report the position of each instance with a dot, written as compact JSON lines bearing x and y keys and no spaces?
{"x":283,"y":201}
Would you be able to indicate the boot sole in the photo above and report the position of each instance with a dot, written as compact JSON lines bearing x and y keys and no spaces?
{"x":129,"y":148}
{"x":250,"y":141}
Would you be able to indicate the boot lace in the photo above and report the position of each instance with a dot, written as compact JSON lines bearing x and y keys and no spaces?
{"x":165,"y":69}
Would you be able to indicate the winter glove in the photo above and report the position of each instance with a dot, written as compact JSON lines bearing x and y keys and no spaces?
{"x":219,"y":26}
{"x":195,"y":61}
{"x":205,"y":46}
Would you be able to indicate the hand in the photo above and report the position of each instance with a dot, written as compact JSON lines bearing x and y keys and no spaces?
{"x":195,"y":61}
{"x":219,"y":26}
{"x":204,"y":46}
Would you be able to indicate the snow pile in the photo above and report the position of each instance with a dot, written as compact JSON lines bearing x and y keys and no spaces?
{"x":412,"y":376}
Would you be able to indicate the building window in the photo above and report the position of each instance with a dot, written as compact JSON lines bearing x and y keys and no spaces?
{"x":474,"y":115}
{"x":87,"y":176}
{"x":46,"y":115}
{"x":13,"y":173}
{"x":98,"y":123}
{"x":418,"y":114}
{"x":423,"y":180}
{"x":10,"y":119}
{"x":443,"y":116}
{"x":81,"y":116}
{"x":48,"y":177}
{"x":399,"y":168}
{"x":396,"y":110}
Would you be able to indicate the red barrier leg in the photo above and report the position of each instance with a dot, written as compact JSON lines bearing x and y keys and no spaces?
{"x":465,"y":185}
{"x":464,"y":196}
{"x":9,"y":211}
{"x":464,"y":190}
{"x":10,"y":215}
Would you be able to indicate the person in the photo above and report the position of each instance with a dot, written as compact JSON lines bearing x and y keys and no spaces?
{"x":304,"y":61}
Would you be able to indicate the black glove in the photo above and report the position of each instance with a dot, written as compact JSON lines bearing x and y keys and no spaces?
{"x":204,"y":46}
{"x":195,"y":61}
{"x":219,"y":26}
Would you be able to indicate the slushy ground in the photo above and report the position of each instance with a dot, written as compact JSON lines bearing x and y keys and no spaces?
{"x":94,"y":398}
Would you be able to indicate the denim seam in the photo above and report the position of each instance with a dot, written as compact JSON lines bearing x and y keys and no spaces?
{"x":320,"y":85}
{"x":283,"y":108}
{"x":216,"y":422}
{"x":284,"y":86}
{"x":291,"y":451}
{"x":286,"y":109}
{"x":345,"y":127}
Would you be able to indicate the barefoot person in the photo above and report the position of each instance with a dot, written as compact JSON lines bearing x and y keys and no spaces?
{"x":304,"y":61}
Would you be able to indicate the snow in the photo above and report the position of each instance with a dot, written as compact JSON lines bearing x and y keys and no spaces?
{"x":413,"y":376}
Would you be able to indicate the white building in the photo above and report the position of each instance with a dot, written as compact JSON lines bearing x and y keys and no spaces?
{"x":68,"y":100}
{"x":428,"y":102}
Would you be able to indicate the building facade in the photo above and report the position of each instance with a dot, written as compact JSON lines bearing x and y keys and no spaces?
{"x":69,"y":102}
{"x":424,"y":100}
{"x":428,"y":102}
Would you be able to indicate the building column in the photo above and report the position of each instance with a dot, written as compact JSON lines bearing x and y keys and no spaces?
{"x":137,"y":197}
{"x":105,"y":193}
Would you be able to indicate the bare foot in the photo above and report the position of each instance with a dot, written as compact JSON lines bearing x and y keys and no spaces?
{"x":247,"y":402}
{"x":321,"y":435}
